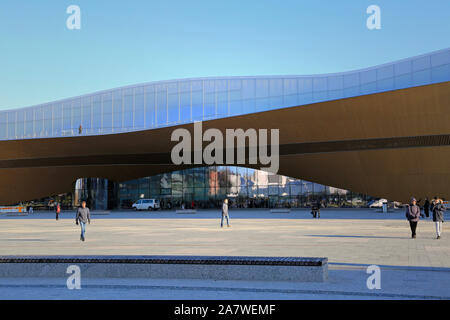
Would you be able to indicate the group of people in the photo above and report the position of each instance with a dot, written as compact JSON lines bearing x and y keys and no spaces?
{"x":83,"y":217}
{"x":413,"y":214}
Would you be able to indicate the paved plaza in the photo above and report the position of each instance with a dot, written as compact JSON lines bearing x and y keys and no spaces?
{"x":352,"y":239}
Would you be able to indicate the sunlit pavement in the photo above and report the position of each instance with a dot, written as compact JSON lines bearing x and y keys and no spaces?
{"x":352,"y":239}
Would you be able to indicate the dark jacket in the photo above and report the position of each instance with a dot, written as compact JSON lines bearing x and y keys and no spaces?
{"x":83,"y":215}
{"x":438,"y":212}
{"x":316,"y":205}
{"x":413,"y":213}
{"x":225,"y":209}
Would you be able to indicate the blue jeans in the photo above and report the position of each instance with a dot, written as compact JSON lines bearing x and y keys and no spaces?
{"x":83,"y":228}
{"x":221,"y":222}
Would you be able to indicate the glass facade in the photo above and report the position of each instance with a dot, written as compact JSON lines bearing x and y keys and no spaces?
{"x":167,"y":103}
{"x":206,"y":187}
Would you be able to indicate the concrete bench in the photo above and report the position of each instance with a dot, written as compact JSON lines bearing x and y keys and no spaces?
{"x":169,"y":267}
{"x":186,"y":211}
{"x":281,"y":210}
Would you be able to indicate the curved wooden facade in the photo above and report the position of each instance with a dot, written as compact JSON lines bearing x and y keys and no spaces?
{"x":392,"y":144}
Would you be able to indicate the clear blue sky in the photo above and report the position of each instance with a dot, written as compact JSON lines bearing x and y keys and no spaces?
{"x":129,"y":42}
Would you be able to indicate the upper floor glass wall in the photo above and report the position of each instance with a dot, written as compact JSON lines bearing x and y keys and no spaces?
{"x":167,"y":103}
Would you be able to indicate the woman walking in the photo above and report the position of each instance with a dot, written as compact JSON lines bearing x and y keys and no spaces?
{"x":58,"y":211}
{"x":438,"y":216}
{"x":413,"y":216}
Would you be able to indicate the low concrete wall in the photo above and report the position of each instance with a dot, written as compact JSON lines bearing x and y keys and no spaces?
{"x":281,"y":210}
{"x":170,"y":267}
{"x":186,"y":211}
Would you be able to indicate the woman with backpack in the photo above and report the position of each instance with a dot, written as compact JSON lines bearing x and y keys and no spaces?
{"x":438,"y":216}
{"x":413,"y":216}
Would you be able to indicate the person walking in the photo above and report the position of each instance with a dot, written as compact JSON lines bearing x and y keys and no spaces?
{"x":413,"y":216}
{"x":83,"y":216}
{"x":315,"y":209}
{"x":438,"y":216}
{"x":57,"y":210}
{"x":225,"y":213}
{"x":426,"y":207}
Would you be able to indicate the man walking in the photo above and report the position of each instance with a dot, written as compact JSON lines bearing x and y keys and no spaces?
{"x":413,"y":216}
{"x":315,"y":209}
{"x":438,"y":216}
{"x":225,"y":213}
{"x":83,"y":216}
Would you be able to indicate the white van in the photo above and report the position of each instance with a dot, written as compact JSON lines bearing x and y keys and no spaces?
{"x":146,"y":204}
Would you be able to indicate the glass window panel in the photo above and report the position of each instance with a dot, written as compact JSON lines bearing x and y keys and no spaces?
{"x":117,"y":109}
{"x":210,"y":105}
{"x":368,"y":76}
{"x":221,"y":85}
{"x":139,"y":110}
{"x":67,"y":116}
{"x":3,"y":126}
{"x":422,"y":77}
{"x":441,"y":73}
{"x":351,"y":92}
{"x":403,"y":81}
{"x":48,"y":115}
{"x":128,"y":101}
{"x":304,"y":85}
{"x":76,"y":113}
{"x":305,"y":98}
{"x":248,"y":89}
{"x":320,"y":96}
{"x":276,"y":87}
{"x":351,"y":80}
{"x":335,"y":94}
{"x":86,"y":111}
{"x":11,"y":125}
{"x":96,"y":113}
{"x":173,"y":108}
{"x":320,"y":84}
{"x":222,"y":103}
{"x":235,"y":102}
{"x":161,"y":106}
{"x":440,"y":59}
{"x":235,"y":84}
{"x":421,"y":63}
{"x":290,"y":87}
{"x":57,"y":119}
{"x":150,"y":107}
{"x":385,"y":72}
{"x":199,"y":178}
{"x":107,"y":114}
{"x":335,"y":83}
{"x":262,"y":88}
{"x":29,"y":122}
{"x":197,"y":105}
{"x":20,"y":123}
{"x":386,"y":84}
{"x":402,"y":68}
{"x":188,"y":179}
{"x":212,"y":178}
{"x":185,"y":106}
{"x":368,"y":88}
